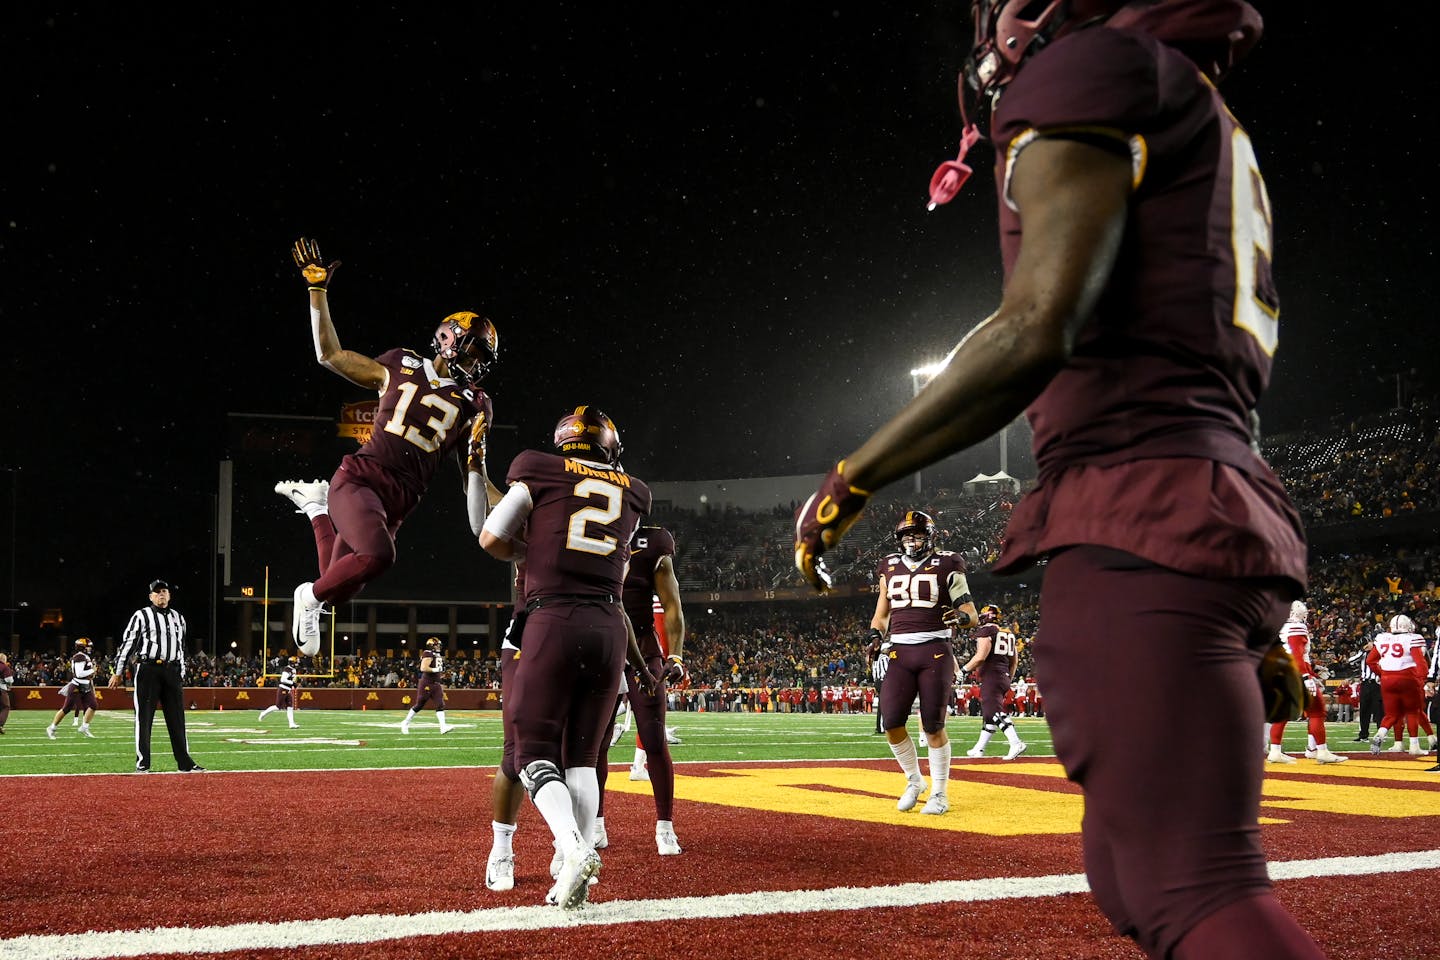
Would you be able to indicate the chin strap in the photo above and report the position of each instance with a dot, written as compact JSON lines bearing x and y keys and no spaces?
{"x":951,"y":175}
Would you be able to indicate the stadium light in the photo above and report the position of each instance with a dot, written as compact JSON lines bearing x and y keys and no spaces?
{"x":923,"y":375}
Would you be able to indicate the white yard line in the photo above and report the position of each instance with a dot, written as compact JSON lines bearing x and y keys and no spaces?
{"x":375,"y":928}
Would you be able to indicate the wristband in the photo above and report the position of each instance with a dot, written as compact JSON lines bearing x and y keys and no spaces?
{"x":319,"y":290}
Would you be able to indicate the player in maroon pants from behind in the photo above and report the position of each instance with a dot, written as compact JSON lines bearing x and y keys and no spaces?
{"x":1136,"y":331}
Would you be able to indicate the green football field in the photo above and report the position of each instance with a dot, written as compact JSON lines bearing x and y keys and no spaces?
{"x":346,"y":739}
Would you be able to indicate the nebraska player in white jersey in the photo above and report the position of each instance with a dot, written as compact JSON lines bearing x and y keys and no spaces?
{"x":1296,"y":636}
{"x":1399,"y":658}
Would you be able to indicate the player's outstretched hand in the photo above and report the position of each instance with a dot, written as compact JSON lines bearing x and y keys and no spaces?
{"x":674,"y":671}
{"x":822,"y":521}
{"x":317,"y":274}
{"x":1281,"y":685}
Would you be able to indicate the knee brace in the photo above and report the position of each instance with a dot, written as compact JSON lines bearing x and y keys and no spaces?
{"x":537,"y":773}
{"x":1000,"y":721}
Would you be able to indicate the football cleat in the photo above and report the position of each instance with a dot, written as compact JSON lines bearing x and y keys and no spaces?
{"x":572,"y":886}
{"x":936,"y":805}
{"x":975,"y":753}
{"x":194,"y":768}
{"x":1276,"y":755}
{"x":85,"y":732}
{"x":666,"y":843}
{"x":556,"y":862}
{"x":1310,"y":754}
{"x":670,"y":736}
{"x":306,"y":628}
{"x":1016,"y":750}
{"x":294,"y":726}
{"x":639,"y":773}
{"x":1375,"y":742}
{"x":50,"y":731}
{"x":602,"y":836}
{"x":911,"y":795}
{"x":446,"y":728}
{"x":500,"y":872}
{"x":1397,"y":747}
{"x":1323,"y":755}
{"x":301,"y":492}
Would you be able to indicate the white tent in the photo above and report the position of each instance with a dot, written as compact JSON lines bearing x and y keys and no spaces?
{"x":991,"y":481}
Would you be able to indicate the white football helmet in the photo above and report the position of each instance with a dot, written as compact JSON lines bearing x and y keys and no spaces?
{"x":1298,"y":611}
{"x":1402,"y":624}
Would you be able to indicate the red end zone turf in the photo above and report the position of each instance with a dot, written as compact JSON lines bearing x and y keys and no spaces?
{"x":111,"y":853}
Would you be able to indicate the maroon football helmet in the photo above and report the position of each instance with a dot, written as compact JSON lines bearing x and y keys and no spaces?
{"x":916,"y":523}
{"x":468,"y":344}
{"x":1008,"y":31}
{"x":589,"y":433}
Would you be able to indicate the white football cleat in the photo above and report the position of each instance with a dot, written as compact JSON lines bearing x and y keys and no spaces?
{"x":666,"y":842}
{"x":1016,"y":750}
{"x":306,"y":629}
{"x":639,"y":773}
{"x":556,"y":862}
{"x":1276,"y":755}
{"x":1397,"y":747}
{"x":1375,"y":742}
{"x":294,"y":726}
{"x":50,"y":731}
{"x":602,"y":836}
{"x":1310,"y":754}
{"x":572,"y":886}
{"x":937,"y":804}
{"x":405,"y":728}
{"x":911,"y":795}
{"x":300,"y":492}
{"x":1323,"y":755}
{"x":446,"y":728}
{"x":85,"y":732}
{"x":975,"y":753}
{"x":670,"y":736}
{"x":500,"y":872}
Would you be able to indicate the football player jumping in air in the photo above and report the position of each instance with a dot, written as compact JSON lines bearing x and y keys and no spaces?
{"x":570,"y":516}
{"x":996,"y":653}
{"x":430,"y":688}
{"x":429,"y":408}
{"x":922,"y":592}
{"x":1296,"y":636}
{"x":1137,"y":324}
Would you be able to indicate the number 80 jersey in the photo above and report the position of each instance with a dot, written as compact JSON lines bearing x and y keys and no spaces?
{"x":919,"y":592}
{"x":582,"y":517}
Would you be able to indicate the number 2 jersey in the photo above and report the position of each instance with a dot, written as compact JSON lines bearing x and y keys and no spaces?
{"x":421,"y":419}
{"x":1143,"y":440}
{"x":919,"y":592}
{"x":582,"y":517}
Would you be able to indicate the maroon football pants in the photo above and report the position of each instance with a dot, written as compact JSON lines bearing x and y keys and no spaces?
{"x":925,"y":669}
{"x":356,"y":540}
{"x":1152,"y":696}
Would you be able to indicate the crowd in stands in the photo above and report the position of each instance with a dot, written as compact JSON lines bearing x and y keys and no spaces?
{"x":1379,"y":467}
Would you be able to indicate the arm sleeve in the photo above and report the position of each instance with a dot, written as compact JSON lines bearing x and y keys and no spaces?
{"x":84,"y":670}
{"x":508,"y":518}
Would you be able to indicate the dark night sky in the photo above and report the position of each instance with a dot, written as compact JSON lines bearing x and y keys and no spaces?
{"x":711,"y":226}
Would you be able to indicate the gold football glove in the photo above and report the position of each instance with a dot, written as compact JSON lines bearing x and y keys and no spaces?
{"x":1282,"y":686}
{"x":307,"y":257}
{"x":820,"y":523}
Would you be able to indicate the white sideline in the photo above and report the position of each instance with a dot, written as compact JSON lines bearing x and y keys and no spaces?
{"x":376,"y":928}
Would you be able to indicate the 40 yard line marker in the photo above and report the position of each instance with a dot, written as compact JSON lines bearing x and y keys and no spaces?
{"x":375,"y":928}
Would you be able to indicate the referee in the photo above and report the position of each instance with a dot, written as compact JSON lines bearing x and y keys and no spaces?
{"x":156,"y":635}
{"x":1371,"y":705}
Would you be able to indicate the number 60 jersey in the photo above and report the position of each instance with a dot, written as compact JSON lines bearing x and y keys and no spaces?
{"x":582,"y":517}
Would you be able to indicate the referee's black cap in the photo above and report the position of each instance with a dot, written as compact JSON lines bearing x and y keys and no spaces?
{"x":158,"y":585}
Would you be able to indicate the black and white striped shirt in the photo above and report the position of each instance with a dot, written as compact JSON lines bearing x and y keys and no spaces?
{"x":154,"y":633}
{"x":1365,"y":672}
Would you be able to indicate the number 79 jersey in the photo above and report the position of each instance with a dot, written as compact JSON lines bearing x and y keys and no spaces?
{"x":582,"y":517}
{"x":919,"y":591}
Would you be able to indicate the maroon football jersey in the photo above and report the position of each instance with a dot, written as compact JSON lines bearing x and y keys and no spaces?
{"x":421,"y":418}
{"x":578,"y":533}
{"x":919,"y":592}
{"x":649,"y":546}
{"x":1002,"y":644}
{"x":1165,"y":374}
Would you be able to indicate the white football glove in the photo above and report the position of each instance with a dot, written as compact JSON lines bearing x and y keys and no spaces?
{"x":878,"y":667}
